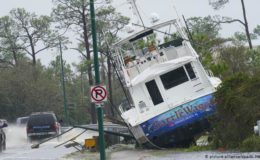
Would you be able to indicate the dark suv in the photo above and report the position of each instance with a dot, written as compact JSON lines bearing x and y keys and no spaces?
{"x":3,"y":123}
{"x":41,"y":125}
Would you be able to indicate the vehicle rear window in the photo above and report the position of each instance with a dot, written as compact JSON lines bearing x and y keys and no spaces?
{"x":41,"y":119}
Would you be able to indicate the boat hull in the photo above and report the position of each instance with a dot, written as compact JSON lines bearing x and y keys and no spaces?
{"x":178,"y":126}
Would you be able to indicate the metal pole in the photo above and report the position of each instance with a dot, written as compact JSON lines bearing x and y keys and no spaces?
{"x":63,"y":88}
{"x":97,"y":79}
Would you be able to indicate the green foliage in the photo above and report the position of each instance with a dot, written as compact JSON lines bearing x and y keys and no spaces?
{"x":141,"y":43}
{"x":25,"y":89}
{"x":219,"y":69}
{"x":76,"y":86}
{"x":74,"y":15}
{"x":257,"y":30}
{"x":238,"y":110}
{"x":217,"y":4}
{"x":22,"y":94}
{"x":205,"y":36}
{"x":254,"y":60}
{"x":204,"y":26}
{"x":251,"y":144}
{"x":195,"y":148}
{"x":11,"y":50}
{"x":29,"y":33}
{"x":240,"y":36}
{"x":236,"y":59}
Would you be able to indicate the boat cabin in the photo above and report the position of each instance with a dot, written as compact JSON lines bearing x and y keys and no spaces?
{"x":159,"y":76}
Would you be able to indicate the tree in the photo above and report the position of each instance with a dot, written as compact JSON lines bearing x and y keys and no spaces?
{"x":35,"y":33}
{"x":76,"y":13}
{"x":257,"y":30}
{"x":9,"y":42}
{"x":205,"y":36}
{"x":108,"y":25}
{"x":54,"y":70}
{"x":217,"y":4}
{"x":204,"y":25}
{"x":238,"y":110}
{"x":75,"y":88}
{"x":21,"y":94}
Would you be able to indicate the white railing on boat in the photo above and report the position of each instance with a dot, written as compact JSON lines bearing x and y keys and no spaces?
{"x":139,"y":64}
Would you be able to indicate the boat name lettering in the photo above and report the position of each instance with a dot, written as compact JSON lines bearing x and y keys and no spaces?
{"x":179,"y":115}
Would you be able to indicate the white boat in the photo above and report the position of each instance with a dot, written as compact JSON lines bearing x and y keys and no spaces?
{"x":171,"y":93}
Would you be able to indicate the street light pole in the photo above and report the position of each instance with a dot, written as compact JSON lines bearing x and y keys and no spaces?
{"x":97,"y":80}
{"x":63,"y":87}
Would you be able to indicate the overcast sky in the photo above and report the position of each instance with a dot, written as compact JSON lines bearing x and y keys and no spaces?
{"x":166,"y":9}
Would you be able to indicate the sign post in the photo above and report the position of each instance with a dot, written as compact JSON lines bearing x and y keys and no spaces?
{"x":97,"y":80}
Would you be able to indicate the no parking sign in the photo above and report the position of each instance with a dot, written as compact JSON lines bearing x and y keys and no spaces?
{"x":98,"y":94}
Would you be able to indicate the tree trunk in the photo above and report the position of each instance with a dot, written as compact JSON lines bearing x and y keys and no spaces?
{"x":90,"y":77}
{"x":15,"y":58}
{"x":103,"y":69}
{"x":246,"y":25}
{"x":109,"y":77}
{"x":33,"y":54}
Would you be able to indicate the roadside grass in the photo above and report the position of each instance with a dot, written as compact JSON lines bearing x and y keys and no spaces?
{"x":194,"y":148}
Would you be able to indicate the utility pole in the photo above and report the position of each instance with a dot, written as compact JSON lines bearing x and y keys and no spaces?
{"x":97,"y":81}
{"x":63,"y":88}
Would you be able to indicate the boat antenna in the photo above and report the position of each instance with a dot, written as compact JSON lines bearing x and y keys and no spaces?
{"x":177,"y":14}
{"x":188,"y":30}
{"x":175,"y":10}
{"x":136,"y":11}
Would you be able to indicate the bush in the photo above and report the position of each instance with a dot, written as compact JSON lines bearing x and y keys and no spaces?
{"x":238,"y":109}
{"x":251,"y":144}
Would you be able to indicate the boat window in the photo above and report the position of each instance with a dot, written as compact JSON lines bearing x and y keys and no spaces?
{"x":174,"y":78}
{"x":176,"y":42}
{"x":154,"y":92}
{"x":190,"y":71}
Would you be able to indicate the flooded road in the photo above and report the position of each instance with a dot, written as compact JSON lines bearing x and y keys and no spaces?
{"x":19,"y":149}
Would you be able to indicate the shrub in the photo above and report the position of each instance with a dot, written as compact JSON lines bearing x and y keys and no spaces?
{"x":251,"y":144}
{"x":238,"y":109}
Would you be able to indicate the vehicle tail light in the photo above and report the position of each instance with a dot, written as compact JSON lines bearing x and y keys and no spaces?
{"x":29,"y":129}
{"x":56,"y":126}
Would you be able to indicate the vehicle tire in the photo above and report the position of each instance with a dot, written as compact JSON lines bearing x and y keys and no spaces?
{"x":4,"y":145}
{"x":1,"y":142}
{"x":1,"y":146}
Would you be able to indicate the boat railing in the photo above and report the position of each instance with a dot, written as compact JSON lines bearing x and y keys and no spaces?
{"x":209,"y":73}
{"x":136,"y":64}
